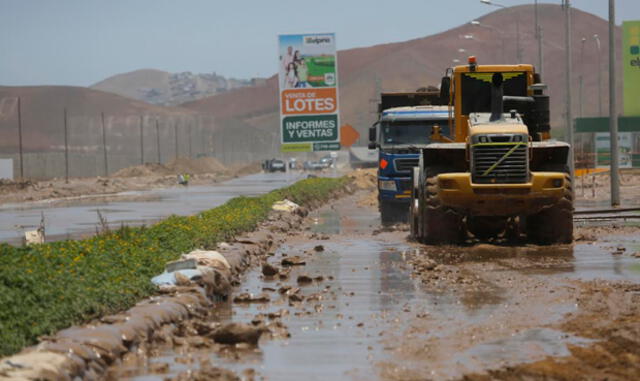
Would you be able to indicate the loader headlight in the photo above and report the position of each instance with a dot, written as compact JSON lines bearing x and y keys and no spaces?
{"x":387,"y":185}
{"x":483,"y":139}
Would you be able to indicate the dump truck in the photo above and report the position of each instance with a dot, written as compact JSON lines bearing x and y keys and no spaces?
{"x":404,"y":125}
{"x":497,"y":174}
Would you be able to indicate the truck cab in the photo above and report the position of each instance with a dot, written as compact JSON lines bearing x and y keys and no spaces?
{"x":399,"y":134}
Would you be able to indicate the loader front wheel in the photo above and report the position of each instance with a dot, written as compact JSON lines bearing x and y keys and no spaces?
{"x":440,"y":224}
{"x":553,"y":225}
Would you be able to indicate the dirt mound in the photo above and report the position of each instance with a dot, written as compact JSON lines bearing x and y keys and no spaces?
{"x":242,"y":169}
{"x":148,"y":169}
{"x":364,"y":178}
{"x":196,"y":166}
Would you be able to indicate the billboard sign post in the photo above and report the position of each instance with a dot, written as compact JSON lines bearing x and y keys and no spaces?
{"x":308,"y":81}
{"x":631,"y":70}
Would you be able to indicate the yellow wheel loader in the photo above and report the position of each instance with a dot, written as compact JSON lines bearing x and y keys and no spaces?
{"x":497,"y":175}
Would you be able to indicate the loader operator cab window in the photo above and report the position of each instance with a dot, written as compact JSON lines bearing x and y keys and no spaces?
{"x":476,"y":89}
{"x":414,"y":132}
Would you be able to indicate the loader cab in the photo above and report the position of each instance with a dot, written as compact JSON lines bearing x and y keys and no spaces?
{"x":470,"y":92}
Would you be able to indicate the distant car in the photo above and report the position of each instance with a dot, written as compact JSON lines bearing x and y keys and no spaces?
{"x":313,"y":166}
{"x":276,"y":165}
{"x":326,"y":162}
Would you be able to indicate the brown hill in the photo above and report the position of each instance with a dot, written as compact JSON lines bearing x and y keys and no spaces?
{"x":168,"y":89}
{"x":134,"y":83}
{"x":420,"y":62}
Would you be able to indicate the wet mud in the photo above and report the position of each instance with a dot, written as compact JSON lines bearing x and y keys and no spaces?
{"x":356,"y":301}
{"x":352,"y":300}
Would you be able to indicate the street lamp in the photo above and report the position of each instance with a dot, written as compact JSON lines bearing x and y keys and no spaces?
{"x":489,"y":2}
{"x":581,"y":77}
{"x":518,"y":50}
{"x":538,"y":35}
{"x":478,"y":23}
{"x":613,"y":115}
{"x":597,"y":39}
{"x":568,"y":112}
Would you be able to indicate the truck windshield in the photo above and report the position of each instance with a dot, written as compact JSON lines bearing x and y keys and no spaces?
{"x":411,"y":132}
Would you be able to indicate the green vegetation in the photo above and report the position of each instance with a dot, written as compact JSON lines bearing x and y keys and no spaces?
{"x":44,"y":288}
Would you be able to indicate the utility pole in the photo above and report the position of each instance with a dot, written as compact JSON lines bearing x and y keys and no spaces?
{"x":158,"y":140}
{"x":569,"y":116}
{"x":66,"y":149}
{"x":175,"y":135}
{"x":104,"y":146}
{"x":190,"y":151}
{"x":141,"y":140}
{"x":538,"y":34}
{"x":581,"y":77}
{"x":20,"y":139}
{"x":518,"y":50}
{"x":613,"y":114}
{"x":597,"y":38}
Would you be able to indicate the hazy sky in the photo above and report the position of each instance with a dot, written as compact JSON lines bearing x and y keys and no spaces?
{"x":80,"y":42}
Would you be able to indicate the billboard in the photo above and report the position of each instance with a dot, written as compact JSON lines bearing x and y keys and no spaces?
{"x":308,"y":81}
{"x":603,"y":149}
{"x":631,"y":70}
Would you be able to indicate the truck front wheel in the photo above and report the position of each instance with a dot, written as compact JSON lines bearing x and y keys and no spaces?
{"x":392,"y":213}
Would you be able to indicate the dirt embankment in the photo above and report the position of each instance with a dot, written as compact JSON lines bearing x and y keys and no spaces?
{"x":141,"y":177}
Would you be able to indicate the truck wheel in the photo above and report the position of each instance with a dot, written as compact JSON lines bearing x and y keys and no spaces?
{"x":391,"y":213}
{"x":554,"y":224}
{"x":440,"y":224}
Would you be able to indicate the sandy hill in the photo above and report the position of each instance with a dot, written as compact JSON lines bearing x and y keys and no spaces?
{"x":167,"y":89}
{"x":420,"y":62}
{"x":135,"y":84}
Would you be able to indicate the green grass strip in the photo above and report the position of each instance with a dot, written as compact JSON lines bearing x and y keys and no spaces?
{"x":44,"y":288}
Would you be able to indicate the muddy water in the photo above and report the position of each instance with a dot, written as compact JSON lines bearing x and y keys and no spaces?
{"x":78,"y":217}
{"x":483,"y":308}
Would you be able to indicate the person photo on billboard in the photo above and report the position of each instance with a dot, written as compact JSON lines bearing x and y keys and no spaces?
{"x":286,"y":59}
{"x":291,"y":76}
{"x":303,"y":73}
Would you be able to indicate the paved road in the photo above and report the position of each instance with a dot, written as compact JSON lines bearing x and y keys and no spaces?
{"x":79,"y":218}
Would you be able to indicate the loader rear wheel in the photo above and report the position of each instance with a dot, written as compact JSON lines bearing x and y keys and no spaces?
{"x":440,"y":224}
{"x":555,"y":224}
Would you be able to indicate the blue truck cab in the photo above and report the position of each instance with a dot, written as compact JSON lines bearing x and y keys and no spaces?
{"x":399,"y":134}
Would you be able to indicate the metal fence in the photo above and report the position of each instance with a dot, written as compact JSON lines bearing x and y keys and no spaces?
{"x":99,"y":145}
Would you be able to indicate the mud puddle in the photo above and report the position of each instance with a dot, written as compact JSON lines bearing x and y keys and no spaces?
{"x":336,"y":322}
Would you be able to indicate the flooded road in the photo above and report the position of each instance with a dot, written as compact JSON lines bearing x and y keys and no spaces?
{"x":78,"y":217}
{"x":382,"y":307}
